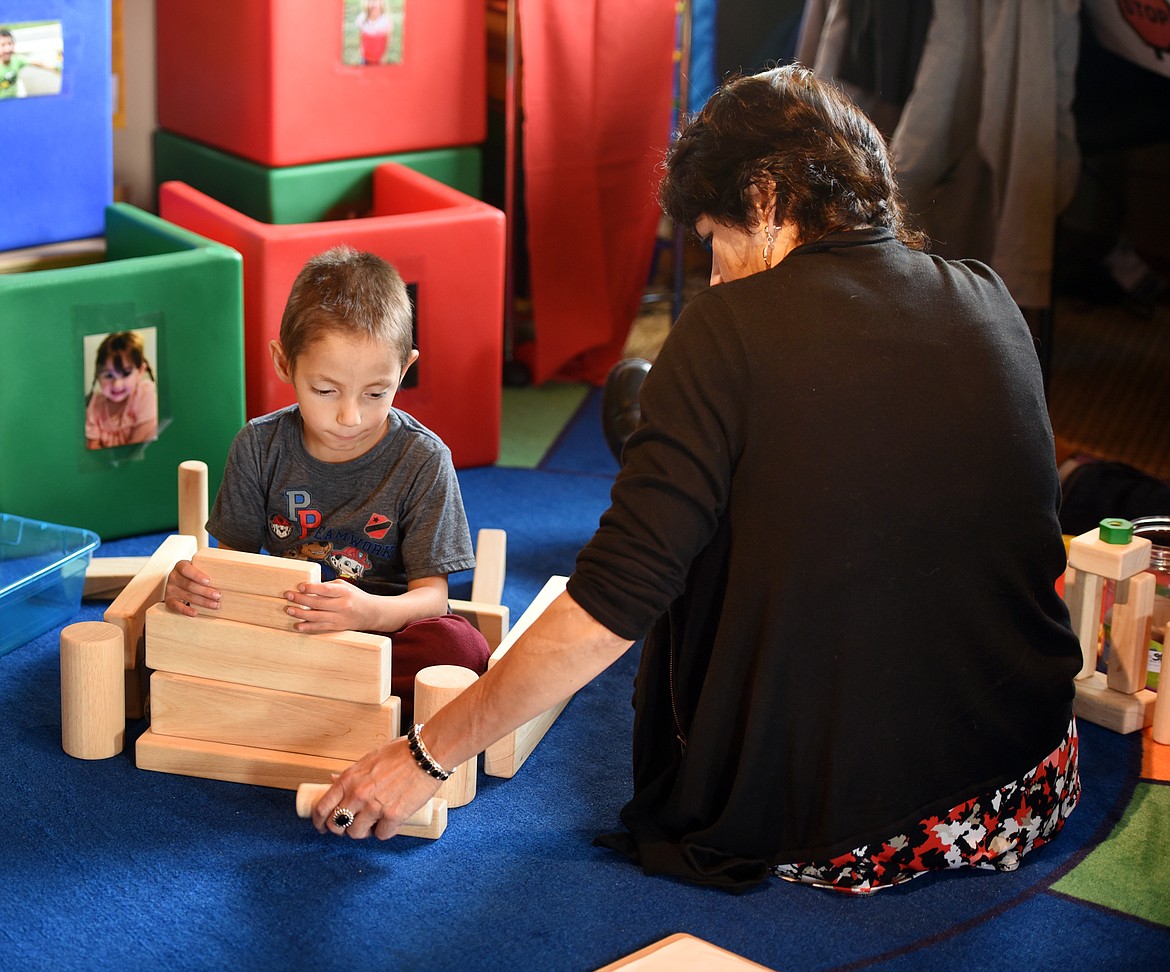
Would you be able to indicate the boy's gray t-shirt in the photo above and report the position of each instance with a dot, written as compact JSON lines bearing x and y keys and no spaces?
{"x":391,"y":515}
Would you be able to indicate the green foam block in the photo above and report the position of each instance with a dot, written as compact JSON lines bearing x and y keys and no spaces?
{"x":184,"y":295}
{"x":312,"y":193}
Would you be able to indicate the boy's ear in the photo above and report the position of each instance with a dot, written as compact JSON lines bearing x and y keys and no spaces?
{"x":280,"y":362}
{"x":409,"y":361}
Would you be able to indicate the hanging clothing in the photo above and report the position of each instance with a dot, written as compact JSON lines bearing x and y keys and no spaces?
{"x":985,"y":143}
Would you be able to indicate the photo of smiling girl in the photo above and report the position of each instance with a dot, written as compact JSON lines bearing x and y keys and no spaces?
{"x":122,"y":402}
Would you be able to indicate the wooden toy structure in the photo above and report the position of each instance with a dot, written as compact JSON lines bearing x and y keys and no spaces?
{"x":237,"y":695}
{"x":1118,"y":698}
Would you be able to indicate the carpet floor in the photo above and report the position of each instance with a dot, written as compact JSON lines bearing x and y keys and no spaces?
{"x":108,"y":867}
{"x":1109,"y":388}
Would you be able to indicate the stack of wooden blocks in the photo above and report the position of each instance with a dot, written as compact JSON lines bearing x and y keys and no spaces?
{"x":1117,"y":698}
{"x":241,"y":677}
{"x":238,"y":695}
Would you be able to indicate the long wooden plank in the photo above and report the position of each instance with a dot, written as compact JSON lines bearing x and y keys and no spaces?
{"x":128,"y":610}
{"x":491,"y":620}
{"x":506,"y":755}
{"x":250,"y":573}
{"x":233,"y":764}
{"x":682,"y":951}
{"x":491,"y":557}
{"x":350,"y":665}
{"x":249,"y":764}
{"x":107,"y":577}
{"x":204,"y":708}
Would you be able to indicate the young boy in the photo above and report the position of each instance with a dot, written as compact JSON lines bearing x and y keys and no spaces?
{"x":345,"y":479}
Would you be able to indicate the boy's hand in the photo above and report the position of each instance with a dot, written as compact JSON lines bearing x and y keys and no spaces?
{"x":187,"y":586}
{"x":336,"y":605}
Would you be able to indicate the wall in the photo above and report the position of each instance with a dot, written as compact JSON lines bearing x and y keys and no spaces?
{"x":133,"y":155}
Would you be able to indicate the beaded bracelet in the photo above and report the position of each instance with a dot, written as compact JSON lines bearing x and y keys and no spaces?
{"x":422,"y":757}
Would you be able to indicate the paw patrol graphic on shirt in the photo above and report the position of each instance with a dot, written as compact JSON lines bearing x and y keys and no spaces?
{"x":346,"y":549}
{"x":280,"y":526}
{"x":313,"y":550}
{"x":350,"y":563}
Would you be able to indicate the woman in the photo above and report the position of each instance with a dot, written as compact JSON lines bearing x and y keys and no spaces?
{"x":837,"y":520}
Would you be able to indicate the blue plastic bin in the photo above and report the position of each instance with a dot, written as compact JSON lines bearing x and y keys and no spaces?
{"x":42,"y":574}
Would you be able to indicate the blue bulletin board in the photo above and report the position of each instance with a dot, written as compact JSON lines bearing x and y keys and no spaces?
{"x":55,"y":111}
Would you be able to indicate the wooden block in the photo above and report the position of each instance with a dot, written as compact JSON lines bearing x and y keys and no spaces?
{"x":233,"y":764}
{"x":1161,"y":718}
{"x":429,"y":821}
{"x":106,"y":577}
{"x":491,"y":556}
{"x":505,"y":756}
{"x":1120,"y":711}
{"x":250,"y":573}
{"x":93,"y":705}
{"x":247,"y":764}
{"x":682,"y":951}
{"x":1082,"y":595}
{"x":138,"y":688}
{"x":349,"y":665}
{"x":1116,"y":561}
{"x":1129,"y":633}
{"x":128,"y":611}
{"x":193,"y":500}
{"x":244,"y":715}
{"x":258,"y":609}
{"x":491,"y":620}
{"x":434,"y":687}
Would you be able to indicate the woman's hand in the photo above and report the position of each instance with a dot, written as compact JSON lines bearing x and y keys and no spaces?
{"x":187,"y":586}
{"x":563,"y":649}
{"x":381,"y":789}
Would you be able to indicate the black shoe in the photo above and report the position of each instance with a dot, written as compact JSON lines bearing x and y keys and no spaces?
{"x":620,"y":410}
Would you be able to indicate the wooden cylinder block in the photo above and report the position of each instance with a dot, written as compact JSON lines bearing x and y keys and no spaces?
{"x":1162,"y":712}
{"x":434,"y":687}
{"x":93,"y":690}
{"x":193,"y":500}
{"x":309,"y":793}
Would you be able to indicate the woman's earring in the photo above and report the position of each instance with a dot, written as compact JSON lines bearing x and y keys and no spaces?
{"x":769,"y":242}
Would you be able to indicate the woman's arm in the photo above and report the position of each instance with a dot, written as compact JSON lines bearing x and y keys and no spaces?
{"x":563,"y":650}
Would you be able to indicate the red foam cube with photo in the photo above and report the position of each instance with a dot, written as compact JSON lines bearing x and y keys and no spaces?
{"x":281,"y":82}
{"x":448,"y":247}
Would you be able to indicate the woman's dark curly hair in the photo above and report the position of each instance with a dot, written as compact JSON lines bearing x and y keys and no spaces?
{"x":788,"y":129}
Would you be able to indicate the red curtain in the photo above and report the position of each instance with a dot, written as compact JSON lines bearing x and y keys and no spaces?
{"x":598,"y":87}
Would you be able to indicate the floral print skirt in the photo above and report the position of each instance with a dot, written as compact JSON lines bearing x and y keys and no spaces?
{"x":991,"y":831}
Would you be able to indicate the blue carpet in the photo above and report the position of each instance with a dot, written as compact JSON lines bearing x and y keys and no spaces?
{"x":109,"y":867}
